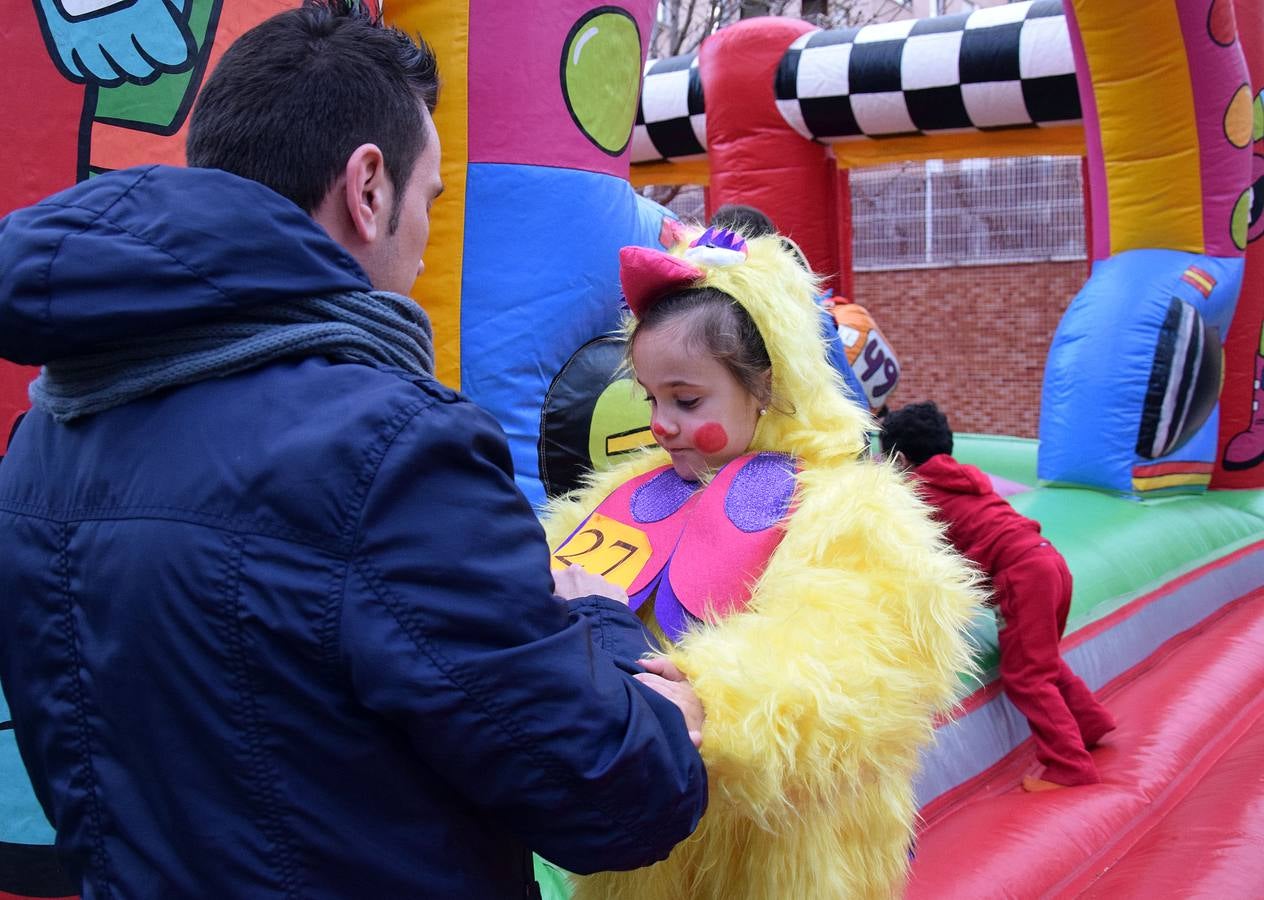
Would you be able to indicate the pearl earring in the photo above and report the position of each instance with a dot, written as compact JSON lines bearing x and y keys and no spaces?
{"x":763,"y":410}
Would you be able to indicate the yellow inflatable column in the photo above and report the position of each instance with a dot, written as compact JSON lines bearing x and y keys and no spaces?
{"x":446,"y":27}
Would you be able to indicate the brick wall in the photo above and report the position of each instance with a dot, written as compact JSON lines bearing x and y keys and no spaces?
{"x":973,"y":339}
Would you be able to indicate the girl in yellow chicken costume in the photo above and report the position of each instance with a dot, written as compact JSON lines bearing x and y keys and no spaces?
{"x":820,"y":682}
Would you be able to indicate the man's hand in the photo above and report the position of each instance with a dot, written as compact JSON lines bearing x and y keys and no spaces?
{"x":662,"y":677}
{"x":573,"y":582}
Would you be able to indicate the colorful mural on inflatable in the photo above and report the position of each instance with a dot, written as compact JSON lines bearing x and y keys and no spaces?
{"x":1153,"y":387}
{"x":535,"y":120}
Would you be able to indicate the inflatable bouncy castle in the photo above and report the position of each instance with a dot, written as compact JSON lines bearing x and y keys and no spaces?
{"x":1150,"y":464}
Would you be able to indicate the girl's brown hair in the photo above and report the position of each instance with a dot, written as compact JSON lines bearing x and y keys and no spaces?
{"x":720,"y":326}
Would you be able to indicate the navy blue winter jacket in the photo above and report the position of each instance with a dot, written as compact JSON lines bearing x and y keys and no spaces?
{"x":290,"y":633}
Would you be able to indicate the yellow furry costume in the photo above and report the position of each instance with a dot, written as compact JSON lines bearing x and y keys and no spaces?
{"x":820,"y":694}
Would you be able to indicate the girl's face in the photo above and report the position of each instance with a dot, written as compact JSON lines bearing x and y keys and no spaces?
{"x":700,"y":413}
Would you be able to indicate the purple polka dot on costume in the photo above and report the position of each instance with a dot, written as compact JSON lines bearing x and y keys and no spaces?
{"x":661,"y":496}
{"x":760,"y":494}
{"x":672,"y":617}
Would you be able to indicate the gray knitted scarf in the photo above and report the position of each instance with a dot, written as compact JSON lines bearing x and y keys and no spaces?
{"x":376,"y":328}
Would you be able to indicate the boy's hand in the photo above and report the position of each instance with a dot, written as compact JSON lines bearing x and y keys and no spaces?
{"x":662,"y":677}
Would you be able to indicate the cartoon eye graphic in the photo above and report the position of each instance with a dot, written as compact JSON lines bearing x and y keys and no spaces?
{"x":592,"y":414}
{"x":1186,"y":374}
{"x":1247,"y":223}
{"x":601,"y":76}
{"x":1221,"y":23}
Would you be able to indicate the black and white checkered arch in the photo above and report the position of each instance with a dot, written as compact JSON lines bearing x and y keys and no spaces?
{"x":670,"y":123}
{"x":998,"y":67}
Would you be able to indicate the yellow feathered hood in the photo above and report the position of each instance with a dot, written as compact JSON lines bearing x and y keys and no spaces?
{"x":813,"y":416}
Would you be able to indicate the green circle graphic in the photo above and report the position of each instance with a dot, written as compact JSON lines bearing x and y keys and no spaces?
{"x":1240,"y":223}
{"x":601,"y":76}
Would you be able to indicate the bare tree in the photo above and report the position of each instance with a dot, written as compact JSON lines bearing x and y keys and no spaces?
{"x":681,"y":25}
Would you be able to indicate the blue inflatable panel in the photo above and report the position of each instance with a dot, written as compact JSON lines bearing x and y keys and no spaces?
{"x":1128,"y":403}
{"x":562,"y":284}
{"x":837,"y":356}
{"x":21,"y":818}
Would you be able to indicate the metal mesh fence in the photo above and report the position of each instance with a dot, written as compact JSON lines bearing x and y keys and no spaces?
{"x":685,"y":200}
{"x":967,"y":212}
{"x":944,"y":213}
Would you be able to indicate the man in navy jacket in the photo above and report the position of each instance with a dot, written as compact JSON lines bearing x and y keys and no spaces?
{"x":274,"y":618}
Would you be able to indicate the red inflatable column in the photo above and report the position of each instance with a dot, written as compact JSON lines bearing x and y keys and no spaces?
{"x":846,"y":283}
{"x":1240,"y":463}
{"x":758,"y":159}
{"x":40,"y":114}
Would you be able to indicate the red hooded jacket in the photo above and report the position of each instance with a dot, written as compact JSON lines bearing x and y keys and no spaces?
{"x":981,"y":524}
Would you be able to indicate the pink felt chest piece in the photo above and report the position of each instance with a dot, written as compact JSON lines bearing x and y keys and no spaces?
{"x":677,"y":530}
{"x":736,"y":519}
{"x":657,"y":505}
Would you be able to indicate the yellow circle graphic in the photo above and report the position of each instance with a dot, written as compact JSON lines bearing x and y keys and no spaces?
{"x":1239,"y":119}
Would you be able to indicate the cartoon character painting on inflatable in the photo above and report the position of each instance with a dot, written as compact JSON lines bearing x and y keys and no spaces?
{"x":90,"y":85}
{"x":1152,"y":387}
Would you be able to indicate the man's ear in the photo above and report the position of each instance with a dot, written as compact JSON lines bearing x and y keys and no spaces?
{"x":367,"y":192}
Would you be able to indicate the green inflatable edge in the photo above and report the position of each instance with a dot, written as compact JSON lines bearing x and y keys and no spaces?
{"x":1117,"y":548}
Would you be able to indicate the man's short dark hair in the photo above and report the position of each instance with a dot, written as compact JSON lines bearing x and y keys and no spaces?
{"x":747,"y":220}
{"x":294,"y":96}
{"x":918,"y":430}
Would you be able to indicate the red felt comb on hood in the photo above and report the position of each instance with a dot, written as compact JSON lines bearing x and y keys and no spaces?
{"x":647,"y":275}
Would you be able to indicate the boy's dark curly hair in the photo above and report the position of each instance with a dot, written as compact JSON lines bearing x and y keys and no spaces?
{"x":748,"y":220}
{"x":918,"y":430}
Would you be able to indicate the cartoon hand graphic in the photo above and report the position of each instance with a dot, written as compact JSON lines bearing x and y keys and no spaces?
{"x":108,"y":42}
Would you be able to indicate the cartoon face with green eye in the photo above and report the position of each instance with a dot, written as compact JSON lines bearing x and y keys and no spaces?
{"x":1247,"y":223}
{"x":593,"y":414}
{"x":601,"y":76}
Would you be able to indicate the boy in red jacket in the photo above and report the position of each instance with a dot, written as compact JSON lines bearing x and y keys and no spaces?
{"x":1032,"y":594}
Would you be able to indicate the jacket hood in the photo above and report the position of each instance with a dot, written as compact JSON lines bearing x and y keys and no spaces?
{"x":141,"y":251}
{"x":947,"y":474}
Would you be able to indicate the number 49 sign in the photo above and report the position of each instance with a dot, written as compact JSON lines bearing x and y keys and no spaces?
{"x":605,"y":547}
